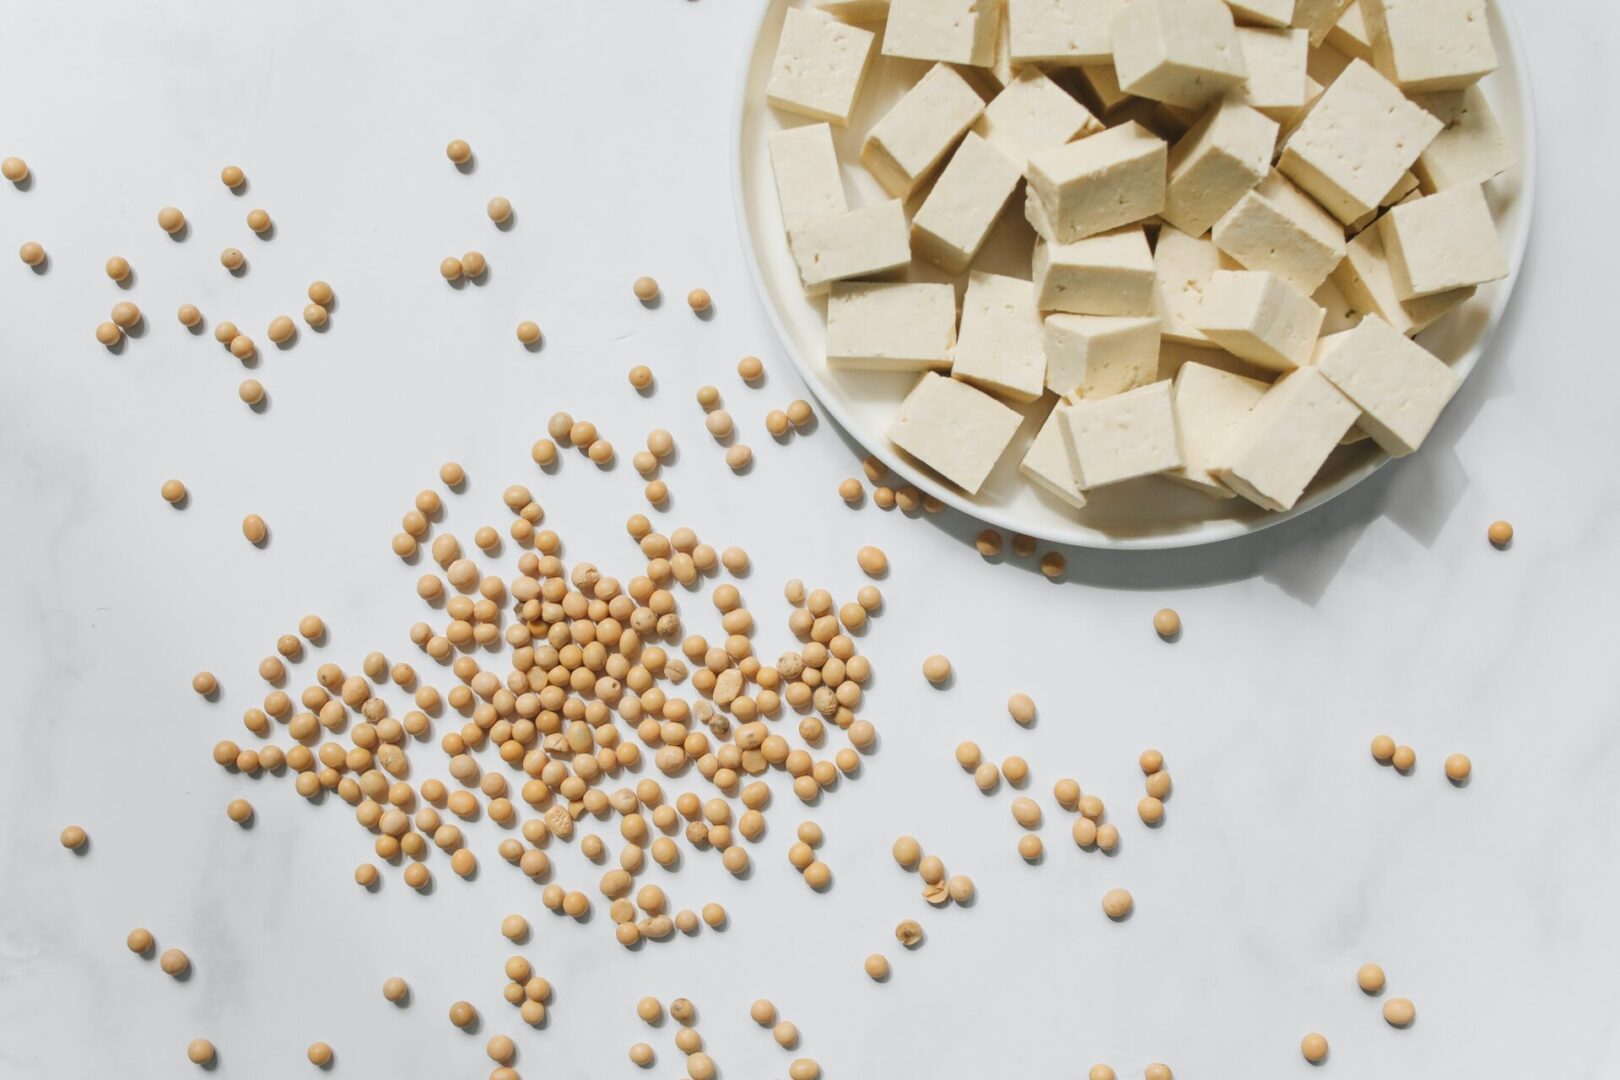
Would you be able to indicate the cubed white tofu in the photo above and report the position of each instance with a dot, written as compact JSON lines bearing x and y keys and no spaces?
{"x":903,"y":148}
{"x":1262,"y":12}
{"x":1099,"y":183}
{"x":1349,"y":35}
{"x":1033,"y":113}
{"x":1442,"y":242}
{"x":1316,"y":17}
{"x":951,"y":31}
{"x":819,"y":67}
{"x":999,"y":348}
{"x":965,"y":202}
{"x":1209,"y":404}
{"x":1470,"y":149}
{"x":1356,"y":142}
{"x":1367,"y":282}
{"x":867,"y":242}
{"x":1110,"y":274}
{"x":1341,"y":313}
{"x":1121,"y":437}
{"x":856,"y":11}
{"x":1405,"y":186}
{"x":1427,"y":45}
{"x":1094,"y":356}
{"x":1184,"y":52}
{"x":1046,"y":463}
{"x":1261,"y":318}
{"x":1182,"y":267}
{"x":958,"y":431}
{"x":808,"y":182}
{"x":899,"y":326}
{"x":1276,"y":63}
{"x":1055,"y":32}
{"x":1215,"y":164}
{"x":1399,"y":386}
{"x":1102,"y":83}
{"x":1276,"y":227}
{"x":1278,"y":448}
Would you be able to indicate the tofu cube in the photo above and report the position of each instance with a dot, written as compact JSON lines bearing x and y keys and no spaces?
{"x":1210,"y":404}
{"x":1183,"y":52}
{"x":1261,"y":318}
{"x":1215,"y":164}
{"x":1111,"y":274}
{"x":1367,"y":282}
{"x":1399,"y":386}
{"x":1356,"y":141}
{"x":1054,"y":32}
{"x":1470,"y":149}
{"x":867,"y":242}
{"x":952,"y":223}
{"x":1349,"y":35}
{"x":1099,"y":183}
{"x":1277,"y":228}
{"x":1033,"y":113}
{"x":809,"y":184}
{"x":1119,"y":438}
{"x":1277,"y":81}
{"x":1442,"y":242}
{"x":1000,"y":347}
{"x":903,"y":148}
{"x":1278,"y":448}
{"x":903,"y":326}
{"x":1182,"y":268}
{"x":950,"y":31}
{"x":1262,"y":12}
{"x":1316,"y":17}
{"x":1046,"y":463}
{"x":954,"y":429}
{"x":1092,"y":356}
{"x":1426,"y":45}
{"x":819,"y":66}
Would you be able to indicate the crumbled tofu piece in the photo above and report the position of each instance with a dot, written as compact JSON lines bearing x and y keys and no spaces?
{"x":952,"y":223}
{"x":1110,"y":274}
{"x":1261,"y":318}
{"x":1216,"y":163}
{"x":1470,"y":149}
{"x":1316,"y":17}
{"x":1121,"y":437}
{"x":867,"y":242}
{"x":1184,"y":52}
{"x":1262,"y":12}
{"x":1093,"y":356}
{"x":1209,"y":405}
{"x":1276,"y":450}
{"x":1047,"y":463}
{"x":808,"y":182}
{"x":1341,"y":314}
{"x":951,"y":31}
{"x":954,"y":429}
{"x":819,"y":66}
{"x":1349,"y":35}
{"x":905,"y":326}
{"x":1356,"y":142}
{"x":1427,"y":45}
{"x":1367,"y":282}
{"x":1399,"y":386}
{"x":913,"y":137}
{"x":1099,"y":183}
{"x":1442,"y":242}
{"x":1033,"y":113}
{"x":1276,"y":227}
{"x":1000,"y":348}
{"x":856,"y":11}
{"x":1182,"y":267}
{"x":1062,"y":31}
{"x":1276,"y":60}
{"x":1103,"y":83}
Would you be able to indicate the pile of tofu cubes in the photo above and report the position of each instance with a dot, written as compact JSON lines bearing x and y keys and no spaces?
{"x":1244,"y":210}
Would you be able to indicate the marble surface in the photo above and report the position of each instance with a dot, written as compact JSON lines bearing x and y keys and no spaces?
{"x":1288,"y":857}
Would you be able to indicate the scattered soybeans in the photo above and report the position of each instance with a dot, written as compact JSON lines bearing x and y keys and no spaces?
{"x":750,"y":369}
{"x":1383,"y":749}
{"x":1101,"y":1072}
{"x":199,"y":1051}
{"x":1053,"y":564}
{"x":1030,"y":847}
{"x":1500,"y":533}
{"x":799,"y":413}
{"x":281,"y":330}
{"x":171,"y":220}
{"x":73,"y":837}
{"x":31,"y":253}
{"x":1166,"y":623}
{"x":189,"y":315}
{"x":174,"y":962}
{"x":1458,"y":768}
{"x":988,"y":543}
{"x":462,"y":1014}
{"x":232,"y":259}
{"x":499,"y":209}
{"x":1117,"y":903}
{"x":108,"y":334}
{"x":232,"y":177}
{"x":528,"y":332}
{"x":641,"y":1054}
{"x":936,"y":669}
{"x":804,"y":1069}
{"x":1370,"y":977}
{"x":320,"y":1054}
{"x":118,"y":268}
{"x":872,"y":561}
{"x":1157,"y":1071}
{"x":1023,"y":546}
{"x":173,"y":491}
{"x":473,"y":264}
{"x":139,"y":940}
{"x":1314,"y":1047}
{"x":785,"y":1033}
{"x":699,"y":300}
{"x":646,"y":289}
{"x":254,"y":529}
{"x":458,"y":151}
{"x":641,"y":377}
{"x":1404,"y":759}
{"x":1399,"y":1012}
{"x":239,"y":810}
{"x":14,"y":169}
{"x":258,"y":221}
{"x":877,"y":967}
{"x":777,"y":423}
{"x":395,"y":989}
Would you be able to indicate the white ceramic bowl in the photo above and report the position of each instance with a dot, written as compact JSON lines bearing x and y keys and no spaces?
{"x":1148,"y":513}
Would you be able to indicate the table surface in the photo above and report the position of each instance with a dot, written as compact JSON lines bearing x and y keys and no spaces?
{"x":1287,"y":859}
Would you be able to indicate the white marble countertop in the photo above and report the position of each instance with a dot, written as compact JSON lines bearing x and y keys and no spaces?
{"x":1288,"y":856}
